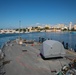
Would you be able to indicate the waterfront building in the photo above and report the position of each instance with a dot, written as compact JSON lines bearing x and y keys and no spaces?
{"x":40,"y":27}
{"x":57,"y":27}
{"x":65,"y":27}
{"x":61,"y":26}
{"x":75,"y":27}
{"x":48,"y":26}
{"x":7,"y":31}
{"x":30,"y":29}
{"x":70,"y":26}
{"x":17,"y":32}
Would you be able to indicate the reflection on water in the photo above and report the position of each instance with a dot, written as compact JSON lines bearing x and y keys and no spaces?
{"x":67,"y":37}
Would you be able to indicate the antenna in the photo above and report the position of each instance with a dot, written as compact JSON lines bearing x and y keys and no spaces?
{"x":19,"y":28}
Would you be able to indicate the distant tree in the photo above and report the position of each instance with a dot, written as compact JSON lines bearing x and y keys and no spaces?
{"x":73,"y":29}
{"x":24,"y":30}
{"x":46,"y":28}
{"x":64,"y":29}
{"x":17,"y":29}
{"x":28,"y":30}
{"x":20,"y":30}
{"x":36,"y":27}
{"x":41,"y":29}
{"x":33,"y":28}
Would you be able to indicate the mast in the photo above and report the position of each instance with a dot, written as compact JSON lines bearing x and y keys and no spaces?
{"x":19,"y":28}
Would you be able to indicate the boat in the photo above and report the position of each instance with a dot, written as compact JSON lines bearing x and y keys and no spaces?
{"x":26,"y":60}
{"x":73,"y":32}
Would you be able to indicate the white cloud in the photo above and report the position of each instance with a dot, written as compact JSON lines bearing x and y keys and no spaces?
{"x":37,"y":23}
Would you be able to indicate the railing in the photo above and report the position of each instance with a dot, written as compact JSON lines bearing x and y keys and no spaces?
{"x":2,"y":46}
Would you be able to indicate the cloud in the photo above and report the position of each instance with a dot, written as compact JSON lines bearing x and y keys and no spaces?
{"x":37,"y":23}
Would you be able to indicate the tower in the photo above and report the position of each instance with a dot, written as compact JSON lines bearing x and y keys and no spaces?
{"x":70,"y":26}
{"x":19,"y":28}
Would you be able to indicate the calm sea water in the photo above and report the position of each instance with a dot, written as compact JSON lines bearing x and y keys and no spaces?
{"x":67,"y":37}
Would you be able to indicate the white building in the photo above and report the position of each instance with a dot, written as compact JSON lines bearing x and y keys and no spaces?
{"x":70,"y":26}
{"x":48,"y":26}
{"x":75,"y":27}
{"x":7,"y":31}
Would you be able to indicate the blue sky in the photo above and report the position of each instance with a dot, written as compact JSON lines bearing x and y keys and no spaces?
{"x":33,"y":12}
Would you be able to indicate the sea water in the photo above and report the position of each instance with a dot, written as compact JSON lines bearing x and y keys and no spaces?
{"x":67,"y":37}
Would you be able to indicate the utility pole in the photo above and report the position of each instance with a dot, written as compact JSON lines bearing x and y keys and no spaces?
{"x":19,"y":28}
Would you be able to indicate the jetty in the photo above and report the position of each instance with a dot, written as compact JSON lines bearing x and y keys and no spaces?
{"x":25,"y":59}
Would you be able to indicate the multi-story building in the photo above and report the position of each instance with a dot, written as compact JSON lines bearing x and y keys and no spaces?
{"x":48,"y":26}
{"x":61,"y":26}
{"x":7,"y":31}
{"x":74,"y":27}
{"x":70,"y":26}
{"x":30,"y":29}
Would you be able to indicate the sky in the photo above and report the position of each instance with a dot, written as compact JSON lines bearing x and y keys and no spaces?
{"x":36,"y":12}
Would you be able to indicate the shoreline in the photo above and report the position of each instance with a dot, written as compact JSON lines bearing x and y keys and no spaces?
{"x":39,"y":32}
